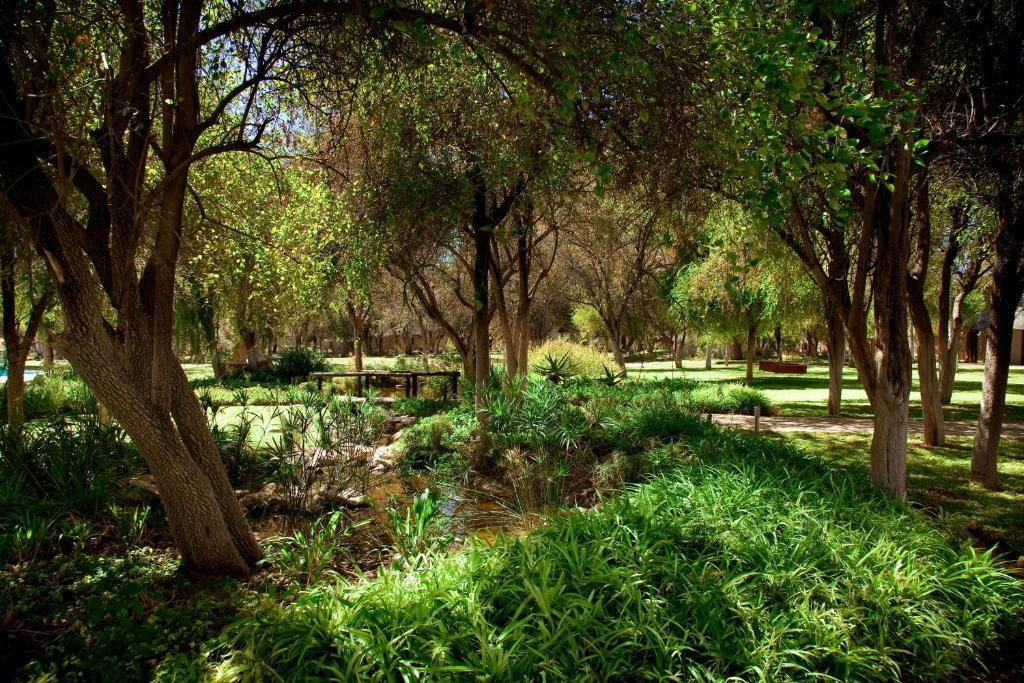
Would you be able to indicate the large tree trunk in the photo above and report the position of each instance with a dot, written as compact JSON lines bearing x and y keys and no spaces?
{"x":678,"y":343}
{"x":751,"y":340}
{"x":1005,"y":296}
{"x":778,"y":341}
{"x":889,"y":212}
{"x":836,"y":341}
{"x":707,"y":356}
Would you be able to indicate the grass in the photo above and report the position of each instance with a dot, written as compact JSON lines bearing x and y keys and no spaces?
{"x":938,"y":482}
{"x":745,"y":560}
{"x":808,"y":394}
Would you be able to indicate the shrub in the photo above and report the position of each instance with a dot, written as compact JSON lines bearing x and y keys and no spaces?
{"x":437,"y":440}
{"x":421,"y":406}
{"x":725,"y":398}
{"x":420,"y":530}
{"x":584,"y":360}
{"x":299,"y":361}
{"x":747,"y":561}
{"x":308,"y":554}
{"x":59,"y":392}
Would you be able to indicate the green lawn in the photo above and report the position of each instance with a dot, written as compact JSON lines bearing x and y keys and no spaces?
{"x":938,"y":482}
{"x":808,"y":394}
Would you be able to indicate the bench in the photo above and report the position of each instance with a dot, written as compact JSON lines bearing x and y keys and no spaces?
{"x":411,"y":379}
{"x":782,"y":367}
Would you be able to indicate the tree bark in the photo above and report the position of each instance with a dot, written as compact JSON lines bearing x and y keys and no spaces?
{"x":707,"y":356}
{"x":1005,"y":296}
{"x":751,"y":339}
{"x":778,"y":341}
{"x":18,"y":344}
{"x":931,"y":402}
{"x":481,"y":303}
{"x":836,"y":341}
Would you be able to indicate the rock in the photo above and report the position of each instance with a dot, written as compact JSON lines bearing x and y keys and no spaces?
{"x":347,"y":497}
{"x":267,"y":494}
{"x":384,"y":458}
{"x":399,"y":422}
{"x":146,"y":482}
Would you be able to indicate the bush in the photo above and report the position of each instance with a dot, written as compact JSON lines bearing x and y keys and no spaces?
{"x":55,"y":475}
{"x":725,"y":398}
{"x":299,"y":361}
{"x":437,"y":440}
{"x":60,"y":392}
{"x":746,"y":561}
{"x":584,"y":360}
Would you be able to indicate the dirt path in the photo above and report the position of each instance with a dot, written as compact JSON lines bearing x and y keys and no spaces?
{"x":848,"y":425}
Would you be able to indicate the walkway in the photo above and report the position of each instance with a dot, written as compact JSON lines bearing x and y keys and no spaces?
{"x":849,"y":425}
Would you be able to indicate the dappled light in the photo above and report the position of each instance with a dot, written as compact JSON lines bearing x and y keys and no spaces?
{"x":511,"y":340}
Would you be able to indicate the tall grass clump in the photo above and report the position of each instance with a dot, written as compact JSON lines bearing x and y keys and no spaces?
{"x":744,"y":561}
{"x":725,"y":398}
{"x":583,"y":360}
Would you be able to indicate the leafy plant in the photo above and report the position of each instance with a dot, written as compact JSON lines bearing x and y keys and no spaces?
{"x":419,"y":530}
{"x":299,"y":361}
{"x":309,"y":554}
{"x":611,"y":378}
{"x":554,"y":368}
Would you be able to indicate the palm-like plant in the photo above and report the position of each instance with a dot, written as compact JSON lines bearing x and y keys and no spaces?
{"x":555,"y":368}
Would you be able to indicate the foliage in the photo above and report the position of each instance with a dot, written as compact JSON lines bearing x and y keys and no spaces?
{"x":299,"y":362}
{"x":308,"y":554}
{"x":554,"y":368}
{"x":420,"y":406}
{"x":433,"y":440}
{"x":747,"y":560}
{"x":418,"y":531}
{"x":725,"y":398}
{"x":584,"y":360}
{"x":59,"y":392}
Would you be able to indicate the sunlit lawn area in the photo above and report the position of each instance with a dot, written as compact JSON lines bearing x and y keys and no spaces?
{"x":808,"y":394}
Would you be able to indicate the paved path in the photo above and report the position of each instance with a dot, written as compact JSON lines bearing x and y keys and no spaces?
{"x":849,"y":425}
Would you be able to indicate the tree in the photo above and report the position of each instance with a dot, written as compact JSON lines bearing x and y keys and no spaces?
{"x":832,"y":145}
{"x":19,"y":280}
{"x":103,"y":112}
{"x":616,"y":242}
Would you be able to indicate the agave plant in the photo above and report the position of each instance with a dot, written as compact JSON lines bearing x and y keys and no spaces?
{"x":610,"y":378}
{"x":555,"y":368}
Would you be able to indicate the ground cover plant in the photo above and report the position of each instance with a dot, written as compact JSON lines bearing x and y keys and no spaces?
{"x":658,"y":543}
{"x":744,"y":558}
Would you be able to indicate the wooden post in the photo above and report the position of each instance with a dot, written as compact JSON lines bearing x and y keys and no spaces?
{"x":757,"y":419}
{"x":319,"y":384}
{"x":415,"y":384}
{"x":408,"y":385}
{"x":359,"y":386}
{"x":455,"y":385}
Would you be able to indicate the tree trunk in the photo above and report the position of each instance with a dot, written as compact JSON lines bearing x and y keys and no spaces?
{"x":1005,"y":296}
{"x":931,"y":403}
{"x":836,"y":342}
{"x":751,"y":339}
{"x":48,"y":352}
{"x":15,"y":388}
{"x":949,"y":352}
{"x":707,"y":356}
{"x":481,"y":322}
{"x":778,"y":341}
{"x":677,"y":351}
{"x":889,"y":444}
{"x":616,"y":347}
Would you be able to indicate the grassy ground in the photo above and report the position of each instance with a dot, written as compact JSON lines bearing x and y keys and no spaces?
{"x":938,"y":482}
{"x":808,"y":394}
